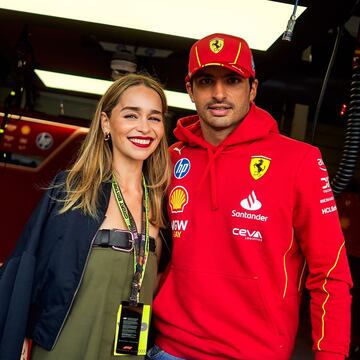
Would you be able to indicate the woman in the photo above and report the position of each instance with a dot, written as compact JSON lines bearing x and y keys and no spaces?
{"x":94,"y":239}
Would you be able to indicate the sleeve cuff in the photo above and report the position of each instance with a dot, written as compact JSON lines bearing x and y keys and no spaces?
{"x":324,"y":355}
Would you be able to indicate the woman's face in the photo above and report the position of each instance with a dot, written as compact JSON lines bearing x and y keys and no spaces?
{"x":136,"y":124}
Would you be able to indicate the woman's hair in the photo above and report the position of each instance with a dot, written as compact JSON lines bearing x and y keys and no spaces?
{"x":94,"y":162}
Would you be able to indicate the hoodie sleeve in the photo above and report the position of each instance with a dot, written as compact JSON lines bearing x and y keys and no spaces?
{"x":318,"y":232}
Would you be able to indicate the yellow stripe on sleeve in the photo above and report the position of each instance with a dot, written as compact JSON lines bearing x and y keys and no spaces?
{"x":327,"y":297}
{"x":284,"y":262}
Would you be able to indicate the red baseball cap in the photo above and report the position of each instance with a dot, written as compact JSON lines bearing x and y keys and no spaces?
{"x":221,"y":50}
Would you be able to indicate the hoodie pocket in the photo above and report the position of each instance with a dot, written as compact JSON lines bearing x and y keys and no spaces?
{"x":229,"y":309}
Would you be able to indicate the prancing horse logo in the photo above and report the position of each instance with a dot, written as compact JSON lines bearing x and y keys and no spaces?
{"x":259,"y":166}
{"x":216,"y":45}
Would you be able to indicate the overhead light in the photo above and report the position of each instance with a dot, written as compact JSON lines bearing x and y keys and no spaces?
{"x":260,"y":22}
{"x":98,"y":87}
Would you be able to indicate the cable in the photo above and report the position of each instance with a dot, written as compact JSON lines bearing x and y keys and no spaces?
{"x":350,"y":152}
{"x":351,"y":147}
{"x":288,"y":33}
{"x":295,"y":7}
{"x":325,"y":82}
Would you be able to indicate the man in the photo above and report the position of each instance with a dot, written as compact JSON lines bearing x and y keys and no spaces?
{"x":253,"y":218}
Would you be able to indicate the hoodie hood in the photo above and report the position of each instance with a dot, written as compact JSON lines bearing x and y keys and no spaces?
{"x":256,"y":125}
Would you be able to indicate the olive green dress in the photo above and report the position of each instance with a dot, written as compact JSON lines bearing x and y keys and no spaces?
{"x":89,"y":330}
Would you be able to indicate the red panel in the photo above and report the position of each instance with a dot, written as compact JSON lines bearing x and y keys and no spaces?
{"x":35,"y":150}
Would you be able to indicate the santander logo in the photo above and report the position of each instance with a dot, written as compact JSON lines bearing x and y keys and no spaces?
{"x":251,"y":202}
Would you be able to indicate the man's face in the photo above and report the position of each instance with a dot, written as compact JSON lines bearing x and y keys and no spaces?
{"x":222,"y":99}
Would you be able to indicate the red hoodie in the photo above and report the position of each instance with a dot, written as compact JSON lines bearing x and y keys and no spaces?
{"x":252,"y":219}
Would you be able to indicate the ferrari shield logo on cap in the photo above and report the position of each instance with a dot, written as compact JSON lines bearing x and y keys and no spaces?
{"x":216,"y":45}
{"x":259,"y":165}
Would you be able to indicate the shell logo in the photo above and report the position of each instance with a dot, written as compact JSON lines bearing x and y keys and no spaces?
{"x":178,"y":199}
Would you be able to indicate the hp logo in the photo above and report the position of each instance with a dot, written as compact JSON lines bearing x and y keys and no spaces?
{"x":181,"y":168}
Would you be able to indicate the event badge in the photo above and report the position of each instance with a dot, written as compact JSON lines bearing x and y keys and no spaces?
{"x":132,"y":328}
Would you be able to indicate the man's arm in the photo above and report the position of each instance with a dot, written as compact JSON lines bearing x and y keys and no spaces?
{"x":317,"y":229}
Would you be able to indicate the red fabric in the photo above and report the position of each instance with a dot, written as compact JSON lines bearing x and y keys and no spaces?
{"x":243,"y":232}
{"x":29,"y":349}
{"x":323,"y":355}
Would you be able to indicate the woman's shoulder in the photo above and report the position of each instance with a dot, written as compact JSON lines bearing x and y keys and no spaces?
{"x":56,"y":187}
{"x":60,"y":178}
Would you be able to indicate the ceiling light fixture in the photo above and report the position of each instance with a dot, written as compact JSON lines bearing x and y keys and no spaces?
{"x":98,"y":87}
{"x":260,"y":22}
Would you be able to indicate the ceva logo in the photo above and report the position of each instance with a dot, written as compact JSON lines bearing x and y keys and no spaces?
{"x":248,"y":234}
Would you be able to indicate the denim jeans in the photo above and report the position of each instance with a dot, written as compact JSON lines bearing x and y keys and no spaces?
{"x":156,"y":353}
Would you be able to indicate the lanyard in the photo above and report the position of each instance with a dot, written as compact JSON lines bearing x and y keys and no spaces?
{"x":141,"y":240}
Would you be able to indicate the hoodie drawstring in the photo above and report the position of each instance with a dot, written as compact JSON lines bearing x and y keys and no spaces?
{"x":212,"y":169}
{"x":256,"y":125}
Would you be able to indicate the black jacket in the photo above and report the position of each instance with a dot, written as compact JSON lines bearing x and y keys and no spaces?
{"x":40,"y":279}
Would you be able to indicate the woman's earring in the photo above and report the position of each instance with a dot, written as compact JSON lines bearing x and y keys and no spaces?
{"x":106,"y":136}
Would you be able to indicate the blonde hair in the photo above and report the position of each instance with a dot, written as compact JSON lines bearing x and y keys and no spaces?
{"x":94,"y":162}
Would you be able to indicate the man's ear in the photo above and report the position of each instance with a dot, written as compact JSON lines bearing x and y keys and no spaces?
{"x":189,"y":91}
{"x":253,"y":89}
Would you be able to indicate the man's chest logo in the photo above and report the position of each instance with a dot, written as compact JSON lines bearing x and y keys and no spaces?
{"x":259,"y":165}
{"x":178,"y":199}
{"x":181,"y":168}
